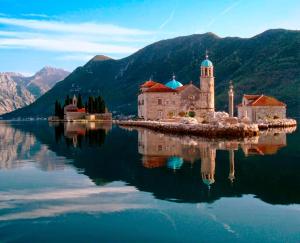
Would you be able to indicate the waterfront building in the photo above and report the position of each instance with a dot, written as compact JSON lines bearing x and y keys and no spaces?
{"x":158,"y":101}
{"x":72,"y":112}
{"x":260,"y":107}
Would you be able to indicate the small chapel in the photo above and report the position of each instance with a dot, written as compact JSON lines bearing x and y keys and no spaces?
{"x":157,"y":101}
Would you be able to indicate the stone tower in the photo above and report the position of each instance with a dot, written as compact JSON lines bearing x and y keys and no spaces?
{"x":74,"y":100}
{"x":231,"y":100}
{"x":207,"y":85}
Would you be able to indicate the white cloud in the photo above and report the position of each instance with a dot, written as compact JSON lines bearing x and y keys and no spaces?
{"x":168,"y":20}
{"x":77,"y":57}
{"x":83,"y":39}
{"x":65,"y":45}
{"x":224,"y":12}
{"x":79,"y":28}
{"x":36,"y":15}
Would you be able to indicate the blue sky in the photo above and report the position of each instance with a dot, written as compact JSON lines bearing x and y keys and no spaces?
{"x":66,"y":34}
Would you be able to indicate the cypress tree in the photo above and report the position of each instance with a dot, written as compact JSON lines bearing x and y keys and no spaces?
{"x":101,"y":105}
{"x":79,"y":102}
{"x":56,"y":111}
{"x":60,"y":111}
{"x":91,"y":105}
{"x":86,"y":107}
{"x":67,"y":101}
{"x":96,"y":105}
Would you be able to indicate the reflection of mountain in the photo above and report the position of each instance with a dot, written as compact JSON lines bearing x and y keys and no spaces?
{"x":273,"y":178}
{"x":18,"y":147}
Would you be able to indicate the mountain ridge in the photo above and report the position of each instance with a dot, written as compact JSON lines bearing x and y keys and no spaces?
{"x":17,"y":90}
{"x":267,"y":63}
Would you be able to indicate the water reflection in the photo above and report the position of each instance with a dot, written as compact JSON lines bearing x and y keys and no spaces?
{"x":18,"y":148}
{"x":75,"y":134}
{"x":164,"y":150}
{"x":21,"y":146}
{"x":181,"y":168}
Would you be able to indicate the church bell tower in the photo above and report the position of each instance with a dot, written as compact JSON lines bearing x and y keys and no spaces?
{"x":207,"y":84}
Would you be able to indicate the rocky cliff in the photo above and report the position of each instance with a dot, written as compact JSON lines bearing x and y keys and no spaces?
{"x":17,"y":91}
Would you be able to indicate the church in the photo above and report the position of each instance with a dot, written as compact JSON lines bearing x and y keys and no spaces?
{"x":157,"y":101}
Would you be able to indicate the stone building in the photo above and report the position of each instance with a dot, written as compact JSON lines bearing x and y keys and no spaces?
{"x":157,"y":101}
{"x":71,"y":111}
{"x":260,"y":107}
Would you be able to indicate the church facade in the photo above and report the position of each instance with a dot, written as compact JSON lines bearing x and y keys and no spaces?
{"x":157,"y":101}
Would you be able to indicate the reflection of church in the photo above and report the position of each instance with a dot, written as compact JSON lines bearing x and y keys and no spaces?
{"x":162,"y":150}
{"x":74,"y":132}
{"x":266,"y":144}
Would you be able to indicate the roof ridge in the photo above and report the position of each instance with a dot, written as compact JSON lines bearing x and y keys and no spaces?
{"x":257,"y":99}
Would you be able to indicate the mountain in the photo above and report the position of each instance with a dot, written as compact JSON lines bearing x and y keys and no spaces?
{"x":268,"y":63}
{"x":44,"y":80}
{"x":12,"y":94}
{"x":17,"y":91}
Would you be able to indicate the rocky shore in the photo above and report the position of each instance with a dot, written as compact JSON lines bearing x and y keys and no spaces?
{"x":221,"y":130}
{"x":276,"y":123}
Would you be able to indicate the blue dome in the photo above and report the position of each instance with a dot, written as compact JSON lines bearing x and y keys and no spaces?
{"x":208,"y":182}
{"x":174,"y":162}
{"x":206,"y":63}
{"x":173,"y":84}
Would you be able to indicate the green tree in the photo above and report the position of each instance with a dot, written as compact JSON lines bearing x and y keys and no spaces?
{"x":101,"y":105}
{"x":56,"y":110}
{"x":68,"y":101}
{"x":91,"y":105}
{"x":59,"y":111}
{"x":79,"y":102}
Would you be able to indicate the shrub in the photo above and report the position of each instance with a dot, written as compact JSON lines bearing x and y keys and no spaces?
{"x":192,"y":113}
{"x":181,"y":113}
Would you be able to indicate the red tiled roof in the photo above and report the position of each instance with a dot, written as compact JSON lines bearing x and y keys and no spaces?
{"x":267,"y":101}
{"x":81,"y":110}
{"x":148,"y":84}
{"x":181,"y":88}
{"x":263,"y":100}
{"x":251,"y":97}
{"x":160,"y":88}
{"x":269,"y":149}
{"x":151,"y":161}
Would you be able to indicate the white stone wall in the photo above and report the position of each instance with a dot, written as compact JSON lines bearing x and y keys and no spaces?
{"x":167,"y":105}
{"x":255,"y":113}
{"x":70,"y":116}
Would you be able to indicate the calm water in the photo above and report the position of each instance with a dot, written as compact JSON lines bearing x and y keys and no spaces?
{"x":92,"y":183}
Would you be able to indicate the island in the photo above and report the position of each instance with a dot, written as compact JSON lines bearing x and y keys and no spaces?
{"x":188,"y":109}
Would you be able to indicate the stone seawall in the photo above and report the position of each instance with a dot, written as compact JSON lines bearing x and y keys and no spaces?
{"x":278,"y":123}
{"x":206,"y":130}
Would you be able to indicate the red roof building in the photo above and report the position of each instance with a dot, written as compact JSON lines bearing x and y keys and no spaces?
{"x":261,"y":107}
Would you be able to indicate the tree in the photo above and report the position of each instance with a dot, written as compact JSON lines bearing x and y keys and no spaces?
{"x":86,"y":107}
{"x":68,"y":101}
{"x":91,"y":104}
{"x":79,"y":102}
{"x":58,"y":110}
{"x":101,"y":104}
